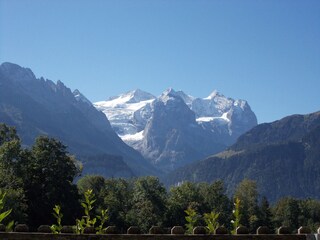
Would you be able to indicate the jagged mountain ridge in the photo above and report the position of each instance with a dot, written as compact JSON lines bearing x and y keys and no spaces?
{"x":282,"y":156}
{"x":41,"y":107}
{"x":175,"y":128}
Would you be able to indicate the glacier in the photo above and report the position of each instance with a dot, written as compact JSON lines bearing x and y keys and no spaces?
{"x":129,"y":112}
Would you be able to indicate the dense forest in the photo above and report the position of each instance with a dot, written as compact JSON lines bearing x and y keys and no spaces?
{"x":38,"y":179}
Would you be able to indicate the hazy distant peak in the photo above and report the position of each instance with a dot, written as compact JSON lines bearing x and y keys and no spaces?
{"x":7,"y":66}
{"x":76,"y":92}
{"x":214,"y":94}
{"x":138,"y":95}
{"x":168,"y":94}
{"x":133,"y":96}
{"x":16,"y":72}
{"x":185,"y":97}
{"x":139,"y":92}
{"x":241,"y":103}
{"x":60,"y":84}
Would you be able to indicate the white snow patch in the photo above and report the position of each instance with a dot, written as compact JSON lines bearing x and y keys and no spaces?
{"x":113,"y":103}
{"x":225,"y":116}
{"x":212,"y":95}
{"x":137,"y":106}
{"x":205,"y":119}
{"x":210,"y":119}
{"x":132,"y":137}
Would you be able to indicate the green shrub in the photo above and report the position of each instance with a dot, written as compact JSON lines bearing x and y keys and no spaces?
{"x":236,"y":215}
{"x":211,"y":220}
{"x":56,"y":228}
{"x":86,"y":220}
{"x":192,"y":218}
{"x":5,"y":214}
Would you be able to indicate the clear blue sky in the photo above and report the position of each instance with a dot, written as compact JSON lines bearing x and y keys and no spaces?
{"x":264,"y":51}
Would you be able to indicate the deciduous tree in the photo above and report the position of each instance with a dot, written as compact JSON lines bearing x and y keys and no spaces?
{"x":49,"y":173}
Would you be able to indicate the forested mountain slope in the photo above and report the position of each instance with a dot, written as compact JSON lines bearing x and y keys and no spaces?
{"x":283,"y":157}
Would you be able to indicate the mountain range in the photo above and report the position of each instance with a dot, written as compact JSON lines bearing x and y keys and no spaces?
{"x":148,"y":135}
{"x":175,"y":136}
{"x":41,"y":107}
{"x":175,"y":129}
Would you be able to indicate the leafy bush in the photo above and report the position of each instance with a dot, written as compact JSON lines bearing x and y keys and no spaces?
{"x":86,"y":220}
{"x":56,"y":228}
{"x":5,"y":214}
{"x":211,"y":220}
{"x":192,"y":218}
{"x":236,"y":215}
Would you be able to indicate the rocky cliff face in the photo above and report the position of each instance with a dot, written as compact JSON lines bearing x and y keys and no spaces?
{"x":175,"y":128}
{"x":172,"y":137}
{"x":42,"y":107}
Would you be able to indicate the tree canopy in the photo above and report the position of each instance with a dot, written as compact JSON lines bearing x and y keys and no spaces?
{"x":37,"y":179}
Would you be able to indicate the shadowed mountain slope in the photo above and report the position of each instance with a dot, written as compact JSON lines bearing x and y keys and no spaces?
{"x":282,"y":156}
{"x":41,"y":107}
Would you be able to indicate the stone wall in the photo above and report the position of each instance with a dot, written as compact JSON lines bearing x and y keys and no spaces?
{"x":157,"y":233}
{"x":50,"y":236}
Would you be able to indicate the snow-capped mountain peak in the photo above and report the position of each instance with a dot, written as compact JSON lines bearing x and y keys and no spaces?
{"x":170,"y":92}
{"x":138,"y":95}
{"x":143,"y":121}
{"x":214,"y":94}
{"x":240,"y":103}
{"x":188,"y":99}
{"x":128,"y":112}
{"x":131,"y":97}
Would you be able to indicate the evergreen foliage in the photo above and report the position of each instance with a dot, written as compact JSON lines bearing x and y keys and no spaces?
{"x":180,"y":198}
{"x":266,"y":214}
{"x":247,"y":194}
{"x":149,"y":203}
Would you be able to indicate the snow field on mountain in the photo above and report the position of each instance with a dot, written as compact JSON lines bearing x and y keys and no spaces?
{"x":129,"y":113}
